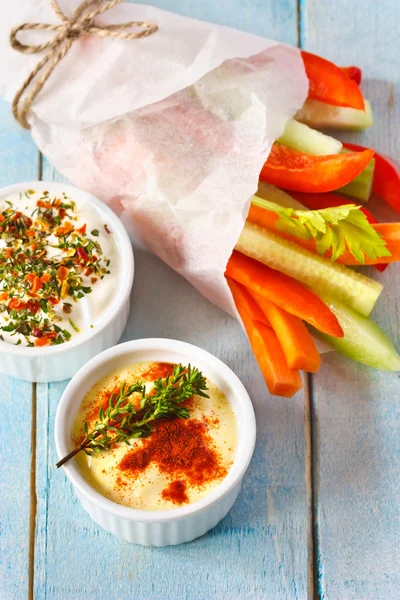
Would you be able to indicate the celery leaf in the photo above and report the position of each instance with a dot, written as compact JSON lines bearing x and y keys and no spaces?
{"x":332,"y":228}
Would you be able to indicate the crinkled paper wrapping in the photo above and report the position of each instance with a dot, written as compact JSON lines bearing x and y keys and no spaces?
{"x":172,"y":129}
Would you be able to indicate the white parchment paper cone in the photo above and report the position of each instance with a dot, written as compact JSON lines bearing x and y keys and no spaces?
{"x":172,"y":129}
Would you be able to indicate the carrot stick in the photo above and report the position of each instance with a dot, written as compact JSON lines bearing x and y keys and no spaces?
{"x":284,"y":291}
{"x":389,"y":231}
{"x":296,"y":341}
{"x":281,"y":380}
{"x":245,"y":302}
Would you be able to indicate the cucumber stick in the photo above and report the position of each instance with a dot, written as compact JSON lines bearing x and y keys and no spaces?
{"x":305,"y":139}
{"x":320,"y":274}
{"x":267,"y":191}
{"x":361,"y":186}
{"x":326,"y":116}
{"x":363,"y":341}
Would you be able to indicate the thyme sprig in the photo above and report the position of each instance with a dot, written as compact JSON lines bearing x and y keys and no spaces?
{"x":122,"y":421}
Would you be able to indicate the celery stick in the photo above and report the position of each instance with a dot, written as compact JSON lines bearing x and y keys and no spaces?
{"x":361,"y":186}
{"x":305,"y":139}
{"x":325,"y":116}
{"x":267,"y":191}
{"x":363,"y":341}
{"x":320,"y":274}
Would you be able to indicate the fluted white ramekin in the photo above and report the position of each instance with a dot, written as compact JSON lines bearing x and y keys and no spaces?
{"x":55,"y":363}
{"x":158,"y":528}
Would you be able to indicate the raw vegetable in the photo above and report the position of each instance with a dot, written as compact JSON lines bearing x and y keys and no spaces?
{"x":327,"y":200}
{"x":332,"y":228}
{"x":353,"y":73}
{"x":267,"y":191}
{"x":310,"y":141}
{"x":294,"y":170}
{"x":361,"y":186}
{"x":363,"y":341}
{"x":296,"y":341}
{"x":324,"y":116}
{"x":328,"y":83}
{"x":284,"y":291}
{"x":320,"y":274}
{"x":318,"y":201}
{"x":387,"y":178}
{"x":244,"y":301}
{"x":390,"y":233}
{"x":281,"y":380}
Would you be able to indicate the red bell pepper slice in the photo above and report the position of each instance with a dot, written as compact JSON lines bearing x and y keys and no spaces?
{"x":293,"y":170}
{"x":386,"y":182}
{"x":353,"y":73}
{"x":330,"y":84}
{"x":318,"y":201}
{"x":82,"y":254}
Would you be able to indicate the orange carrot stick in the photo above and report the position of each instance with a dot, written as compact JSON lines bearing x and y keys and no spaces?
{"x":284,"y":291}
{"x":281,"y":380}
{"x":296,"y":341}
{"x":389,"y":231}
{"x":245,"y":302}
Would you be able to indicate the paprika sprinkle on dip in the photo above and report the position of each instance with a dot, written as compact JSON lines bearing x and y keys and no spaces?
{"x":52,"y":258}
{"x":181,"y":460}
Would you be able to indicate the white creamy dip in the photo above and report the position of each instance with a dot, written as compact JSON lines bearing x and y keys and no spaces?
{"x":41,"y":304}
{"x":182,"y":461}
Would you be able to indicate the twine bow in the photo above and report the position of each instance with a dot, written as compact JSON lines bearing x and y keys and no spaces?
{"x":68,"y":31}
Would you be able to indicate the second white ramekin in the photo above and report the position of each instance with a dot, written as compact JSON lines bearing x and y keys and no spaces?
{"x":168,"y":527}
{"x":56,"y":363}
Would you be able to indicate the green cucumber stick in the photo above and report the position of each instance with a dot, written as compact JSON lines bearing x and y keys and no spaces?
{"x":326,"y":116}
{"x":305,"y":139}
{"x":363,"y":341}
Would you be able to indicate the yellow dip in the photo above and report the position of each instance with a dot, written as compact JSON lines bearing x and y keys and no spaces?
{"x":179,"y":463}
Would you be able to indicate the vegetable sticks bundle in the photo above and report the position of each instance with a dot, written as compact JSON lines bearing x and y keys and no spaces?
{"x":288,"y":274}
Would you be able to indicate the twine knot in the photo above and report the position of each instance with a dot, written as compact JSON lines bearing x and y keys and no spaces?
{"x":69,"y":30}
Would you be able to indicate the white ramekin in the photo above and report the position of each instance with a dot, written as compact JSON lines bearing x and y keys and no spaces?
{"x":158,"y":528}
{"x":55,"y":363}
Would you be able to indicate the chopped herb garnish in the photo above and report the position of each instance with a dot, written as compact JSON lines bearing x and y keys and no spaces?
{"x":37,"y":287}
{"x":73,"y":325}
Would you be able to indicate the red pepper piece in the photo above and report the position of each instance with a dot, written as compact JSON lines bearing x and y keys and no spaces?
{"x":353,"y":73}
{"x":44,"y":204}
{"x":330,"y":84}
{"x":35,"y":281}
{"x":293,"y":170}
{"x":42,"y":341}
{"x":17,"y":304}
{"x":386,"y":182}
{"x":82,"y":229}
{"x":33,"y":306}
{"x":82,"y":254}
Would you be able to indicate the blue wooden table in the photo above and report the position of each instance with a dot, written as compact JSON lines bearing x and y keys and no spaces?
{"x":319,"y":513}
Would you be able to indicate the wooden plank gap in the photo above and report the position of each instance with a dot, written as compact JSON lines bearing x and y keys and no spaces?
{"x":301,"y":11}
{"x":33,"y":496}
{"x":308,"y":476}
{"x":40,"y":167}
{"x":315,"y":487}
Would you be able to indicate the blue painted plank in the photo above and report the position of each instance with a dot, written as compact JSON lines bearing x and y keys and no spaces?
{"x":357,"y":415}
{"x":18,"y":162}
{"x":261,"y":549}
